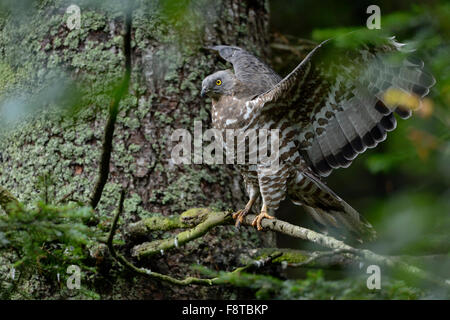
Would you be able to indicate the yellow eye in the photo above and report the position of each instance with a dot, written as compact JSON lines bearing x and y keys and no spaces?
{"x":218,"y":82}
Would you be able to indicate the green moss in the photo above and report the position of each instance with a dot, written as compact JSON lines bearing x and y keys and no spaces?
{"x":161,"y":224}
{"x":291,"y":257}
{"x":194,"y":216}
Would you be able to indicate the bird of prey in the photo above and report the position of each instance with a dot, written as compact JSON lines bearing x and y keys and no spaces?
{"x":330,"y":108}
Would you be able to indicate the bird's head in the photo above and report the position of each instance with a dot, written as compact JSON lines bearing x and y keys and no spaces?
{"x":218,"y":84}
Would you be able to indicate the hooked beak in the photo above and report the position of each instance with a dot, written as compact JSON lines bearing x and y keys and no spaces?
{"x":203,"y":93}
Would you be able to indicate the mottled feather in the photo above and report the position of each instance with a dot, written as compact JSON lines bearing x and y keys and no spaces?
{"x":328,"y":110}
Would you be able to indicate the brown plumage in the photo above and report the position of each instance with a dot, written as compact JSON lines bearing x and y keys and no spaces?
{"x":329,"y":109}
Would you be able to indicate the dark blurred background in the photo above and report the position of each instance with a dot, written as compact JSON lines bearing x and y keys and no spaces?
{"x":301,"y":17}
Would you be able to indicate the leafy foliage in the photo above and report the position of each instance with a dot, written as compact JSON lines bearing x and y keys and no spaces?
{"x":46,"y":238}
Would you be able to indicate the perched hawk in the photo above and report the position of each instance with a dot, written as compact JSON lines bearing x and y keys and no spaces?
{"x":329,"y":109}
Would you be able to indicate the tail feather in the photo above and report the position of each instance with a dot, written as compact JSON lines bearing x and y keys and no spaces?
{"x":358,"y":223}
{"x":358,"y":227}
{"x":329,"y":210}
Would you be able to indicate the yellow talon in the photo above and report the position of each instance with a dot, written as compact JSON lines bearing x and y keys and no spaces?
{"x":239,"y":217}
{"x":258,"y":219}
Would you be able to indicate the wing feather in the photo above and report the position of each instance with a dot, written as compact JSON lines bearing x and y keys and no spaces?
{"x":338,"y":96}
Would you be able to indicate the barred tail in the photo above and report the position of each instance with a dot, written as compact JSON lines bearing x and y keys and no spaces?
{"x":329,"y":210}
{"x":358,"y":226}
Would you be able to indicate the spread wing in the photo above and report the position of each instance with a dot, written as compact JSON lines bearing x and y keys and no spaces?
{"x":337,"y":99}
{"x":248,"y":68}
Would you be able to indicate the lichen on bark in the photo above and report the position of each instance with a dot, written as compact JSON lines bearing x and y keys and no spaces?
{"x":168,"y":64}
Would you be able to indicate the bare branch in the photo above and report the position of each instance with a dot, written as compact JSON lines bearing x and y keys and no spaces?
{"x":113,"y":112}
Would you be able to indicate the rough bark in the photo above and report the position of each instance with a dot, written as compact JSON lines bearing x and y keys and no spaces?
{"x":168,"y":64}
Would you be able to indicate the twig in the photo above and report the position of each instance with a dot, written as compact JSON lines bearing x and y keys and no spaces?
{"x":109,"y":242}
{"x":113,"y":111}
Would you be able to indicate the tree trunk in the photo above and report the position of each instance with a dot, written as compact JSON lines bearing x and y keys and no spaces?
{"x":168,"y":65}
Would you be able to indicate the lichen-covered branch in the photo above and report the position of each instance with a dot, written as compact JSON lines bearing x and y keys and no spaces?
{"x":338,"y":247}
{"x":216,"y":216}
{"x":211,"y":219}
{"x":7,"y":200}
{"x":310,"y":259}
{"x":317,"y":256}
{"x":187,"y":219}
{"x":332,"y":243}
{"x":148,"y":273}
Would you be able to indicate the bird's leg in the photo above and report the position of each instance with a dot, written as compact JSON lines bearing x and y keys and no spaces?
{"x":239,"y":215}
{"x":257,"y":221}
